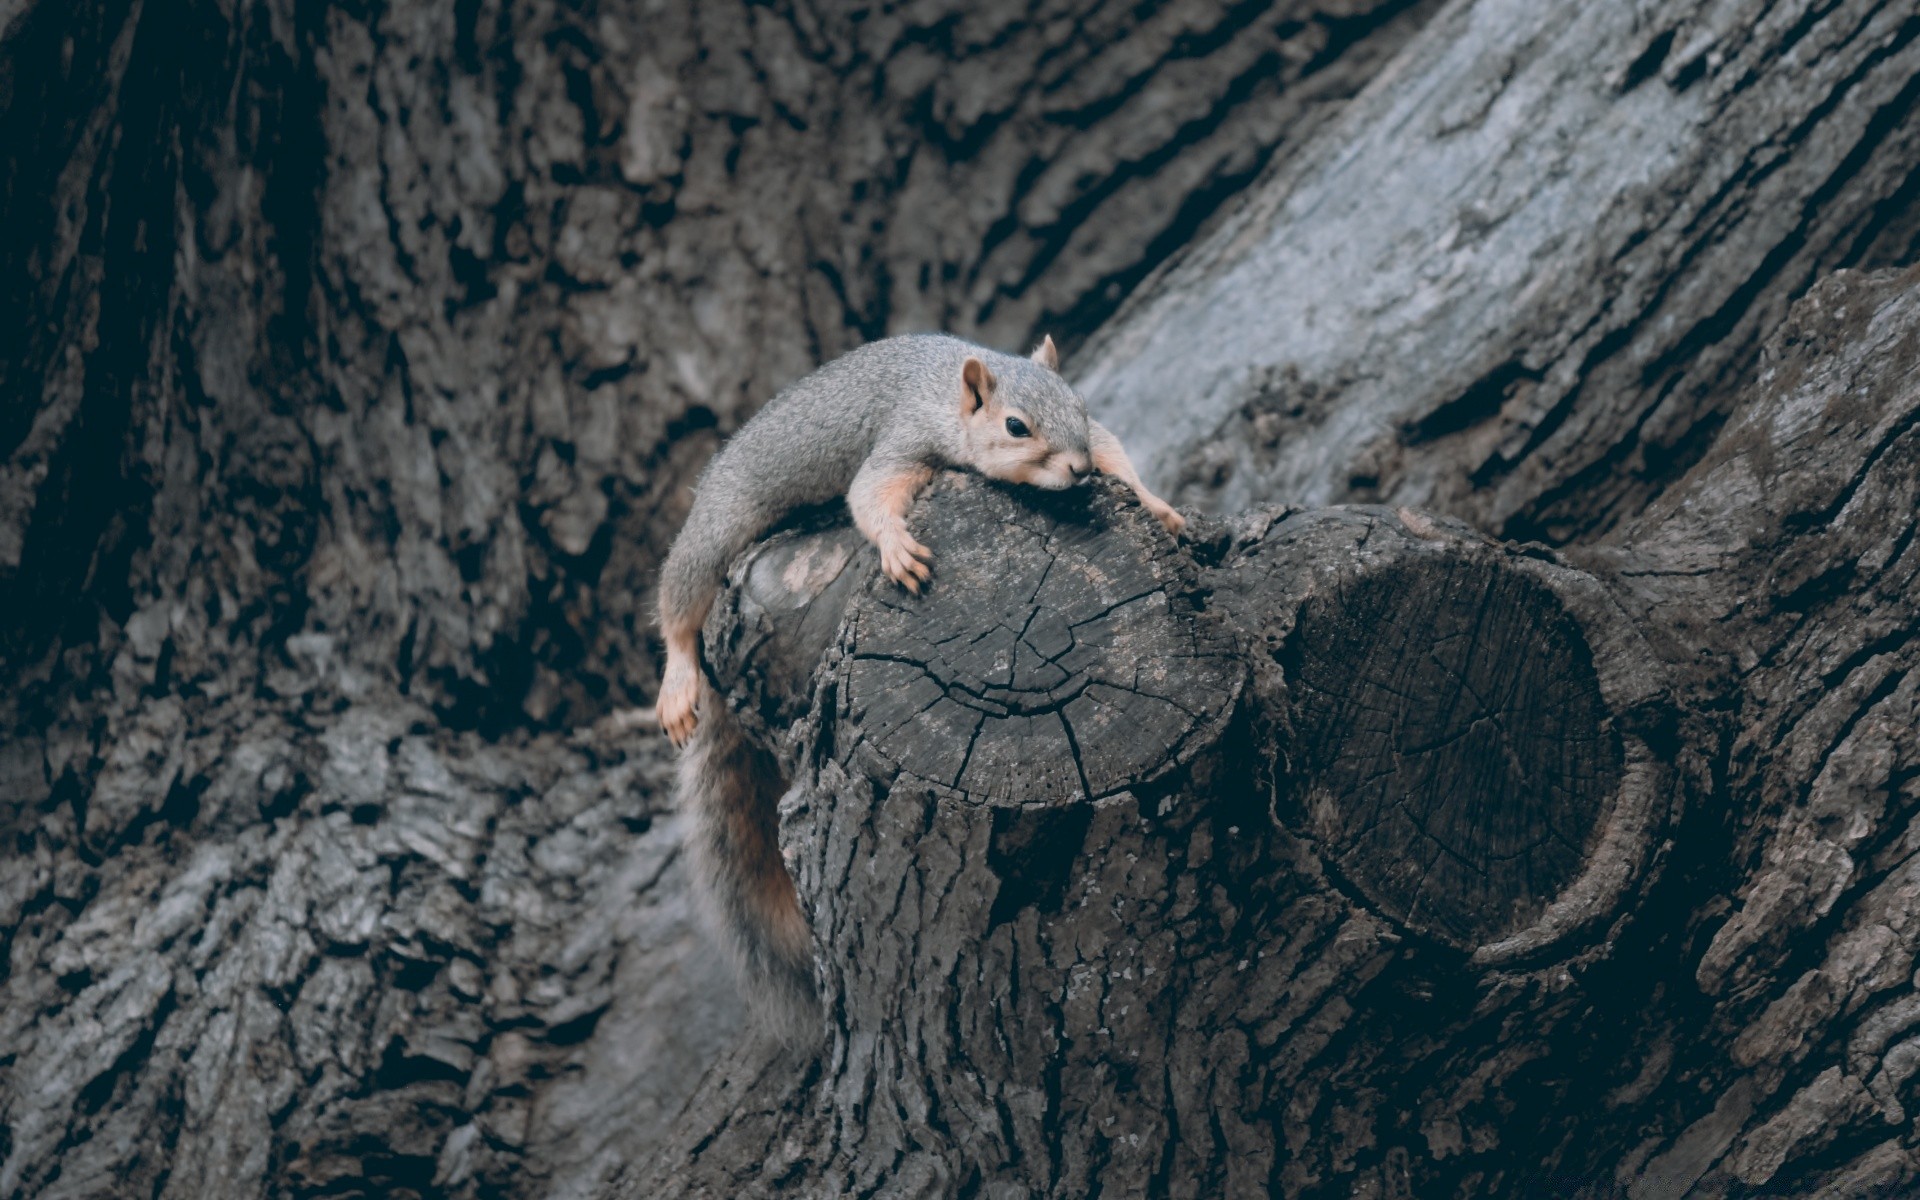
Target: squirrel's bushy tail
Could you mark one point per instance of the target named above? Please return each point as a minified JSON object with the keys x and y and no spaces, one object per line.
{"x":731,"y":790}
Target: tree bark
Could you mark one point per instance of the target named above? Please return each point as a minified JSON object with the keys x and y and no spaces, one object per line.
{"x":357,"y":360}
{"x":1506,"y":872}
{"x":1526,"y":277}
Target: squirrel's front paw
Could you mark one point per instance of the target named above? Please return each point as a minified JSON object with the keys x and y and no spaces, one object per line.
{"x":679,"y":697}
{"x":1168,"y":517}
{"x":900,"y":558}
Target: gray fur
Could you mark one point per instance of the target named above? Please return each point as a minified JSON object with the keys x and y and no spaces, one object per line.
{"x":892,"y":401}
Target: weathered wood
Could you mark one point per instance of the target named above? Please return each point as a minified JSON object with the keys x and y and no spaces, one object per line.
{"x":1467,"y":725}
{"x":1525,"y":278}
{"x":360,"y":358}
{"x":1003,"y":955}
{"x":1057,"y":658}
{"x":1307,"y":1028}
{"x":1786,"y":576}
{"x":417,"y":962}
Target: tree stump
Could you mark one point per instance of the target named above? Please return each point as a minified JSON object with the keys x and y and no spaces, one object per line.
{"x":1467,"y":725}
{"x":1059,"y":657}
{"x":1078,"y":892}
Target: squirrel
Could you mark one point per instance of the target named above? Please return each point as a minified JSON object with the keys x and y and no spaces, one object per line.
{"x":872,"y":425}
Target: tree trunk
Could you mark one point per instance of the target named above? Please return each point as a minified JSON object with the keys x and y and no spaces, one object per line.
{"x":358,"y":358}
{"x":1356,"y":854}
{"x":360,"y":355}
{"x":1525,"y":277}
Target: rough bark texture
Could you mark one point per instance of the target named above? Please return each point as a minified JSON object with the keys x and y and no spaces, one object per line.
{"x":1669,"y":954}
{"x":356,"y":361}
{"x":459,"y":297}
{"x":396,"y":961}
{"x":357,"y":357}
{"x":1526,"y":278}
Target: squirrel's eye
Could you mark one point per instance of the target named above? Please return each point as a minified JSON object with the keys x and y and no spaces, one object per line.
{"x":1018,"y":428}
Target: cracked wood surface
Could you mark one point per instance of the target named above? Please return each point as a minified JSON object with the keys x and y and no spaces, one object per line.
{"x":1475,"y":734}
{"x":1460,"y":755}
{"x":1056,"y":658}
{"x":1193,"y":989}
{"x":1052,"y":986}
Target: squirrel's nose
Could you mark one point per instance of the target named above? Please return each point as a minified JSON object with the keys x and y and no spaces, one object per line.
{"x":1080,"y":467}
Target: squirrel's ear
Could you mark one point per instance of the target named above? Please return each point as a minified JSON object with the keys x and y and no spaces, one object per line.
{"x":976,"y":386}
{"x":1046,"y":355}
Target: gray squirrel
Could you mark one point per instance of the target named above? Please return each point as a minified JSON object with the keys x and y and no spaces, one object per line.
{"x":872,"y":425}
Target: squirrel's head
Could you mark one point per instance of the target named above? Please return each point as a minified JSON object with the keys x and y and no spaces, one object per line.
{"x":1024,"y":424}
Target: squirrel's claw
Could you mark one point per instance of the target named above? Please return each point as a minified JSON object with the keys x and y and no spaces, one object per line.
{"x":1169,"y":517}
{"x":679,"y":723}
{"x":901,"y":559}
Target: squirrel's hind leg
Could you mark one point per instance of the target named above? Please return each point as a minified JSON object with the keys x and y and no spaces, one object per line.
{"x":689,"y":581}
{"x":678,"y":704}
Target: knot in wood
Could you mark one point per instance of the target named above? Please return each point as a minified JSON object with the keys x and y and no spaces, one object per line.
{"x":1461,"y":754}
{"x":1057,"y":655}
{"x":1467,"y":728}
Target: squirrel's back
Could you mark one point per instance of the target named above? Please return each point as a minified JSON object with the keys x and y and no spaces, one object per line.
{"x":812,"y":437}
{"x":807,"y":443}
